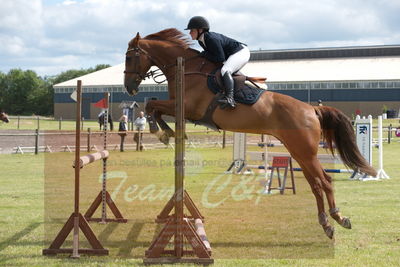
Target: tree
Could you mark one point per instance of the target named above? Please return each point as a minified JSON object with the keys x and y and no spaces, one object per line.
{"x":2,"y":91}
{"x":18,"y":91}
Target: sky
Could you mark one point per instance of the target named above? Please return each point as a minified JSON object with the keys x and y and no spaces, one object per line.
{"x":53,"y":36}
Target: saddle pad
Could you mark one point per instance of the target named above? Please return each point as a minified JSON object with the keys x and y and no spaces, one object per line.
{"x":243,"y":93}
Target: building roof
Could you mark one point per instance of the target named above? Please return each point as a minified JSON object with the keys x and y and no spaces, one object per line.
{"x":327,"y":52}
{"x":108,"y":77}
{"x":320,"y":64}
{"x":340,"y":69}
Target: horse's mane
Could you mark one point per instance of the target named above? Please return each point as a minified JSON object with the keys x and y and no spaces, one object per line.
{"x":171,"y":35}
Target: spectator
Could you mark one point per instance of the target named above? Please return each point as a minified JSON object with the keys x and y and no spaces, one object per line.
{"x":140,"y":125}
{"x":140,"y":122}
{"x":123,"y":127}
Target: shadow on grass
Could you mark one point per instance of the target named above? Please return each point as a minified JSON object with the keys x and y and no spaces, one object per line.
{"x":14,"y":239}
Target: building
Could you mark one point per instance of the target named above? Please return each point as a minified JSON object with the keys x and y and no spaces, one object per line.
{"x":362,"y":80}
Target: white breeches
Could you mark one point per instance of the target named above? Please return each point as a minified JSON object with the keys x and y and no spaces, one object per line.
{"x":236,"y":61}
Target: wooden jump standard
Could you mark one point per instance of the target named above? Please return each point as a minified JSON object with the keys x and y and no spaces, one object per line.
{"x":104,"y":197}
{"x":178,"y":225}
{"x":76,"y":221}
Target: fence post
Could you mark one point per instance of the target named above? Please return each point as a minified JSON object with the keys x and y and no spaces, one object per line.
{"x":38,"y":124}
{"x":88,"y":140}
{"x":18,"y":123}
{"x":139,"y":140}
{"x":389,"y":133}
{"x":82,"y":119}
{"x":36,"y":141}
{"x":59,"y":123}
{"x":223,"y":139}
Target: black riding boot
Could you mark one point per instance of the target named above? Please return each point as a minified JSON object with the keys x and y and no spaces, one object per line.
{"x":229,"y":85}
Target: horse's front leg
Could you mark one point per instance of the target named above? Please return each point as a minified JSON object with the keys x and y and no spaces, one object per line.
{"x":164,"y":126}
{"x":156,"y":108}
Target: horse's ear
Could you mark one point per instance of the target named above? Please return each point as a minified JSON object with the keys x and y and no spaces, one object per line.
{"x":135,"y":40}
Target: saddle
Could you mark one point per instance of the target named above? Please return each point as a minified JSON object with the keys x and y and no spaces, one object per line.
{"x":243,"y":93}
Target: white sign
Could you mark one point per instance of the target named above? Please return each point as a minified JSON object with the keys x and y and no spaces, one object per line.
{"x":74,"y":95}
{"x":364,"y":138}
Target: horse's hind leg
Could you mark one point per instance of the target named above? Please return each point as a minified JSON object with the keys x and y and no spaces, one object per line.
{"x":313,"y":176}
{"x":333,"y":210}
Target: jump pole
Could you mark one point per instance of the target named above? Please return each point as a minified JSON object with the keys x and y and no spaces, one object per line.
{"x":178,"y":225}
{"x":76,"y":221}
{"x":240,"y":155}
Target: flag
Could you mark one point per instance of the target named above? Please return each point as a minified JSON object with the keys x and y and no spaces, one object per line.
{"x":74,"y":95}
{"x":101,"y":104}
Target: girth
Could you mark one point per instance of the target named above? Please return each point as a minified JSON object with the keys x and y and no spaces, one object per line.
{"x":207,"y":120}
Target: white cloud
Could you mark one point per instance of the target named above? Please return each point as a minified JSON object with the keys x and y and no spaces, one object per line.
{"x":63,"y":34}
{"x":23,"y":17}
{"x":69,"y":2}
{"x":12,"y":45}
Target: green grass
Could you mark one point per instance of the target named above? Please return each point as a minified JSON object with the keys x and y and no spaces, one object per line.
{"x":44,"y":124}
{"x":245,"y":229}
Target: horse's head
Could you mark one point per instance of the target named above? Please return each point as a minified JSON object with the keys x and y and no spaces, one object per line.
{"x":137,"y":63}
{"x":4,"y":117}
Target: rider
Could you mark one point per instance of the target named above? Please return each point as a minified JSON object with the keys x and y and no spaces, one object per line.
{"x":221,"y":49}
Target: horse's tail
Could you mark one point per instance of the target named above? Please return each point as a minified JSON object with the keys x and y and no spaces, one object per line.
{"x":338,"y":130}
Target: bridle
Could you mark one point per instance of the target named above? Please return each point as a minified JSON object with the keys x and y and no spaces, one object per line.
{"x":153,"y":73}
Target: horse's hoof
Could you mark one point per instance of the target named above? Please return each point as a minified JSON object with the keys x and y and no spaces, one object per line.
{"x":346,"y":223}
{"x":329,"y":231}
{"x":169,"y":132}
{"x":164,"y":138}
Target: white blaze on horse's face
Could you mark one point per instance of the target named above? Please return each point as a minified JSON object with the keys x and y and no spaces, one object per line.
{"x":137,"y":64}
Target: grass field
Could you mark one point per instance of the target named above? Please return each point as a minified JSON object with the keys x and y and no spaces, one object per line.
{"x":244,"y":227}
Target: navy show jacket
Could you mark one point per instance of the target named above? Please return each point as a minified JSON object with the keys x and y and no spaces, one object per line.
{"x":218,"y":47}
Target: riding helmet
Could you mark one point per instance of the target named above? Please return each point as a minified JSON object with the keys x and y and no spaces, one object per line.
{"x":198,"y":22}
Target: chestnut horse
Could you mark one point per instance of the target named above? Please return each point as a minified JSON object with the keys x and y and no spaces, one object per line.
{"x":299,"y":126}
{"x":4,"y":117}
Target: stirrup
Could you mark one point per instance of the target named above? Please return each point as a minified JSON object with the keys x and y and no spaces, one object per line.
{"x":231,"y":103}
{"x":226,"y":102}
{"x":223,"y":100}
